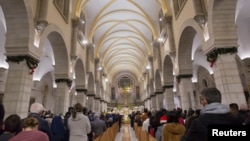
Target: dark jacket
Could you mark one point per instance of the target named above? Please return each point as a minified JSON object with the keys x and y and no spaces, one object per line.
{"x":98,"y":127}
{"x":214,"y":114}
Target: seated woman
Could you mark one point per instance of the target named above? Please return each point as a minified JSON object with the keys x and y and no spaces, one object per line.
{"x":30,"y":131}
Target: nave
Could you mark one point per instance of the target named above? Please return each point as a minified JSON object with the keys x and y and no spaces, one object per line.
{"x":126,"y":134}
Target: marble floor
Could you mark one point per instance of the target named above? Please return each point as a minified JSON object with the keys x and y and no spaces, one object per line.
{"x":126,"y":134}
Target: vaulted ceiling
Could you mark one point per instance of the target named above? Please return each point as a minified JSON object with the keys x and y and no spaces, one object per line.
{"x":122,"y":32}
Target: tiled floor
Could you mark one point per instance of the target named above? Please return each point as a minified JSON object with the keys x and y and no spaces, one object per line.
{"x":126,"y":134}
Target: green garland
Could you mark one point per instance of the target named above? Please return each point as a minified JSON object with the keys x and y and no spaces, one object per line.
{"x":31,"y":62}
{"x":213,"y":55}
{"x":68,"y":81}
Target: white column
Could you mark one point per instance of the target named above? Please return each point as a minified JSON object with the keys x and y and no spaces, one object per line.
{"x":97,"y":105}
{"x":18,"y":89}
{"x":186,"y":89}
{"x":227,"y":79}
{"x":159,"y":100}
{"x":62,"y":97}
{"x":79,"y":98}
{"x":153,"y":102}
{"x":91,"y":102}
{"x":169,"y":98}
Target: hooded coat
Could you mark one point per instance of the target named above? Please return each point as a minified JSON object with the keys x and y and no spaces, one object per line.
{"x":79,"y":127}
{"x":173,"y":132}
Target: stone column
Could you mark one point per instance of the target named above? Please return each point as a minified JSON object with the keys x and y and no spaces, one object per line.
{"x":74,"y":40}
{"x":169,"y":97}
{"x":3,"y":78}
{"x":18,"y":85}
{"x":62,"y":95}
{"x":97,"y":104}
{"x":226,"y":75}
{"x":105,"y":106}
{"x":18,"y":90}
{"x":153,"y":102}
{"x":169,"y":28}
{"x":81,"y":97}
{"x":186,"y":89}
{"x":195,"y":98}
{"x":101,"y":105}
{"x":159,"y":100}
{"x":91,"y":102}
{"x":146,"y":103}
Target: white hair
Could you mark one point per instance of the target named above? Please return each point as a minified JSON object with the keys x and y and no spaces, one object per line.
{"x":36,"y":108}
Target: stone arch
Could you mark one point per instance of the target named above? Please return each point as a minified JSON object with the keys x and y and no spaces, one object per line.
{"x":243,"y":29}
{"x":205,"y":79}
{"x":222,"y":31}
{"x":60,"y":58}
{"x":80,"y":79}
{"x":60,"y":53}
{"x":168,"y":71}
{"x":185,"y":49}
{"x":158,"y":81}
{"x":185,"y":45}
{"x":203,"y":74}
{"x":20,"y":27}
{"x":43,"y":91}
{"x":46,"y":61}
{"x":3,"y":63}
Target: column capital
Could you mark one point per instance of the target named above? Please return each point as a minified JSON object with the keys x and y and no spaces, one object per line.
{"x":213,"y":55}
{"x":168,"y":20}
{"x":157,"y":93}
{"x":64,"y":80}
{"x":32,"y":63}
{"x":167,"y":87}
{"x":152,"y":96}
{"x":41,"y":25}
{"x":180,"y":76}
{"x":90,"y":95}
{"x":98,"y":98}
{"x":81,"y":90}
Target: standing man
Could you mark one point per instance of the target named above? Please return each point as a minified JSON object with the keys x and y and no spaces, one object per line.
{"x":36,"y":110}
{"x":213,"y":113}
{"x":98,"y":126}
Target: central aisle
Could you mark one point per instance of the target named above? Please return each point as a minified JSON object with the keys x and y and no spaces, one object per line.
{"x":126,"y":134}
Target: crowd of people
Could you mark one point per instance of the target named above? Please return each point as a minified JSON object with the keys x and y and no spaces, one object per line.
{"x":191,"y":124}
{"x":78,"y":124}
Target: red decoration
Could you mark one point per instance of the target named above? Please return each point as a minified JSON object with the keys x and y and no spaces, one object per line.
{"x":32,"y":71}
{"x":211,"y":64}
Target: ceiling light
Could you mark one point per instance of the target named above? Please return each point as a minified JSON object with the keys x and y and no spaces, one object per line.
{"x":160,"y":39}
{"x":106,"y":79}
{"x":148,"y":67}
{"x":99,"y":68}
{"x":84,"y":41}
{"x":82,"y":21}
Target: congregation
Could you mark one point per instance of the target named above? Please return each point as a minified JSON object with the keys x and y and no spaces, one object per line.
{"x":79,"y":124}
